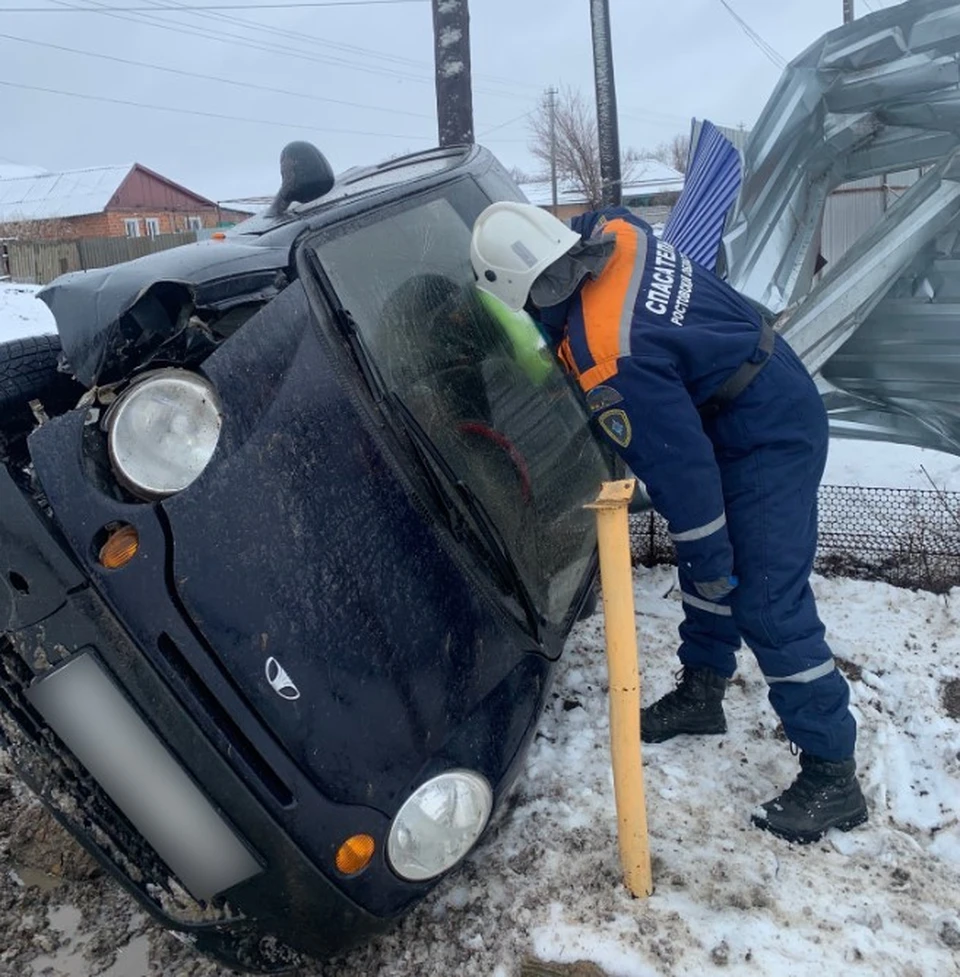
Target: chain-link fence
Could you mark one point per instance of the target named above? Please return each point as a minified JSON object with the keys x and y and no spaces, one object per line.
{"x":906,"y":537}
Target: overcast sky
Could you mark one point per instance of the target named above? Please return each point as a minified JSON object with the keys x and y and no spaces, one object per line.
{"x":674,"y":59}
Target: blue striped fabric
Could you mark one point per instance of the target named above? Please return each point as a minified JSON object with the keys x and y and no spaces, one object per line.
{"x":713,"y":181}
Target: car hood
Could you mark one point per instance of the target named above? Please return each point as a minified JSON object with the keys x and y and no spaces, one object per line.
{"x":113,"y":320}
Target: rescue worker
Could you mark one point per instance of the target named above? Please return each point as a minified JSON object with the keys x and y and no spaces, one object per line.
{"x":716,"y":414}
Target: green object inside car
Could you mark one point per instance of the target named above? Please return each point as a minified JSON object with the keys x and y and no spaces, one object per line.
{"x":529,"y":349}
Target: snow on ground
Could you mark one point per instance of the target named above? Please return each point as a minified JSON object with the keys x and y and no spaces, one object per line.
{"x":875,"y":463}
{"x":881,"y":901}
{"x":22,"y":313}
{"x":729,"y":899}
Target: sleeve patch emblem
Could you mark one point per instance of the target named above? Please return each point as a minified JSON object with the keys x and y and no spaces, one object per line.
{"x":600,"y":398}
{"x":616,"y":425}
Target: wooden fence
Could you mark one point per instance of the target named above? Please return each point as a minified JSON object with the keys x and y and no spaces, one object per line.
{"x":39,"y":262}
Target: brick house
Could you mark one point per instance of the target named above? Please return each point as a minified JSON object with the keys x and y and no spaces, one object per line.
{"x":104,"y":201}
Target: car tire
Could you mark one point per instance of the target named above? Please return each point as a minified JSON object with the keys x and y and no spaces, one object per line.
{"x":28,"y":371}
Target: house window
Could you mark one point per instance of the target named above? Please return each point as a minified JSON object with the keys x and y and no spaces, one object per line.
{"x":132,"y":227}
{"x":194,"y":223}
{"x":153,"y":226}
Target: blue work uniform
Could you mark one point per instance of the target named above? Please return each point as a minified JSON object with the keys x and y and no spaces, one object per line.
{"x":651,"y":340}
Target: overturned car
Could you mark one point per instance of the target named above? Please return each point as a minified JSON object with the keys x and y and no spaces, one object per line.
{"x":287,"y":556}
{"x":288,"y":553}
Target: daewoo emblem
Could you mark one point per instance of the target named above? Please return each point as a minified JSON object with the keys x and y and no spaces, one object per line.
{"x":280,"y":682}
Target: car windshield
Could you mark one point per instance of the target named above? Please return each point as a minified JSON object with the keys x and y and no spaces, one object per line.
{"x":478,"y":383}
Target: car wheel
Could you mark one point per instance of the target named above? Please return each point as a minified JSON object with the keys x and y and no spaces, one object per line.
{"x":28,"y":372}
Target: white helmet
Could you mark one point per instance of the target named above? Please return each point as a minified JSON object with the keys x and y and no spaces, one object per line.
{"x":511,"y":244}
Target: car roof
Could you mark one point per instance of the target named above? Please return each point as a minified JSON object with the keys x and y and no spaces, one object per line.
{"x":393,"y":177}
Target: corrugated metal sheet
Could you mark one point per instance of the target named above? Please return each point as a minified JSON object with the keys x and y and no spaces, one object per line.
{"x":878,"y":96}
{"x":846,"y":218}
{"x":52,"y":195}
{"x":898,"y":376}
{"x":736,"y":137}
{"x":713,"y":181}
{"x":852,"y":209}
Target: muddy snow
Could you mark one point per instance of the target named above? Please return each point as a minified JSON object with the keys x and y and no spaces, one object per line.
{"x":545,"y":884}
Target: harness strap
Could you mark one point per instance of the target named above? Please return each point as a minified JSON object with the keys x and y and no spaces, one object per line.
{"x":742,"y":377}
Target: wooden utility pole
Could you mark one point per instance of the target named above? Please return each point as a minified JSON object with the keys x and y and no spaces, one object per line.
{"x":847,"y":11}
{"x":607,"y":130}
{"x":451,"y":36}
{"x":552,"y":96}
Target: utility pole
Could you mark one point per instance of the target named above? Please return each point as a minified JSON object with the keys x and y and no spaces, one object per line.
{"x":848,"y":11}
{"x":451,"y":36}
{"x":607,"y":131}
{"x":552,"y":97}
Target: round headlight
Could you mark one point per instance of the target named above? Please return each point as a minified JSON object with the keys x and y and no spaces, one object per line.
{"x":162,"y":432}
{"x":439,"y":824}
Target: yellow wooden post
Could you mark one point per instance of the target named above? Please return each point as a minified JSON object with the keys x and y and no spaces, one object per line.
{"x":616,"y":575}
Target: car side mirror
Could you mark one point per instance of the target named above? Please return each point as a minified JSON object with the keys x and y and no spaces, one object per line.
{"x":305,"y":175}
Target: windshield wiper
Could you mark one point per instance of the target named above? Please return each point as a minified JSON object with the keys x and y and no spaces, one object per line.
{"x":368,"y":366}
{"x":350,"y":331}
{"x":486,"y":528}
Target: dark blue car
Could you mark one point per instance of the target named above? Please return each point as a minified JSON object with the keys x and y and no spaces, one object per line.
{"x":289,"y":545}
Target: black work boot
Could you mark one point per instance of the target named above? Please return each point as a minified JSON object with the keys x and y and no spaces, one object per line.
{"x":826,"y":794}
{"x":694,"y":706}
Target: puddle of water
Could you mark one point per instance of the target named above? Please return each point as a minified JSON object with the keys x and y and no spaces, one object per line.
{"x":34,"y":877}
{"x":132,"y":959}
{"x":66,"y":919}
{"x":131,"y":962}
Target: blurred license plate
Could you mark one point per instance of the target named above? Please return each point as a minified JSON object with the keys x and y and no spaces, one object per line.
{"x":87,"y":711}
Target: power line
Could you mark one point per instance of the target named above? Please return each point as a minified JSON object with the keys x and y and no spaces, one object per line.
{"x":146,"y":19}
{"x":350,"y":49}
{"x":230,"y":81}
{"x":767,"y":50}
{"x":512,"y":141}
{"x":503,"y":125}
{"x":209,"y":115}
{"x":282,"y":5}
{"x":235,"y":39}
{"x":660,"y":118}
{"x":225,"y":81}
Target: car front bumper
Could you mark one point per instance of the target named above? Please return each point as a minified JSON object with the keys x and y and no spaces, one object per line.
{"x":53,"y":622}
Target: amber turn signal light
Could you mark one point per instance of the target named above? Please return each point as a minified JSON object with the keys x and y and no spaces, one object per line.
{"x":355,"y":853}
{"x":120,"y":547}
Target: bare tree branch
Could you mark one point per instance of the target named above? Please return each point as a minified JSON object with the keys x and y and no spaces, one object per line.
{"x":578,"y":149}
{"x":673,"y":153}
{"x":29,"y":229}
{"x":520,"y":176}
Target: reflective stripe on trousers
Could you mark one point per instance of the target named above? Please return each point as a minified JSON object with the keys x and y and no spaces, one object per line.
{"x":707,"y":606}
{"x":771,"y":447}
{"x":701,"y":532}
